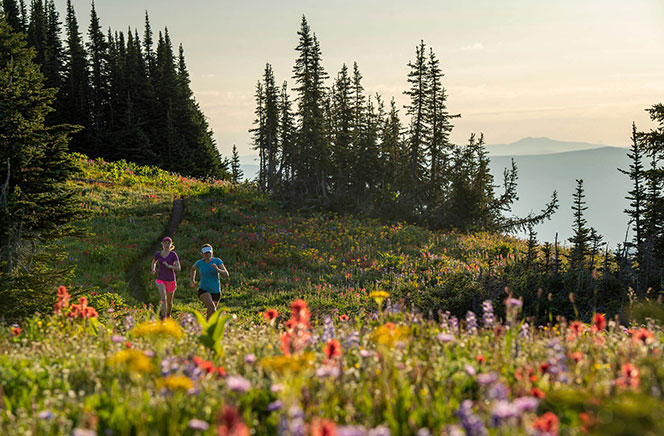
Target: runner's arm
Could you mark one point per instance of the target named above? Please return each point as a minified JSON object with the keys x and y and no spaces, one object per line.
{"x":176,"y":266}
{"x":221,"y":269}
{"x":192,"y":282}
{"x":154,"y":265}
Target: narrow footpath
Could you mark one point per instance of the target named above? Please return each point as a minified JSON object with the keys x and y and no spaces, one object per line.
{"x":143,"y":261}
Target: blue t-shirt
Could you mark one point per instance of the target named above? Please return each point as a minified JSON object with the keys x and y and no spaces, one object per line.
{"x":209,"y":275}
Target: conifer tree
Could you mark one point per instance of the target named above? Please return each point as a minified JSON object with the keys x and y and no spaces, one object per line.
{"x":343,"y":119}
{"x":12,"y":13}
{"x":636,"y":196}
{"x":236,"y":170}
{"x":99,"y":76}
{"x":419,"y":129}
{"x":36,"y":208}
{"x":581,"y":233}
{"x":74,"y":94}
{"x":286,"y":135}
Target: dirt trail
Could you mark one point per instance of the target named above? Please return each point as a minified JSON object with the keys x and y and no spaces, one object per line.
{"x":142,"y":262}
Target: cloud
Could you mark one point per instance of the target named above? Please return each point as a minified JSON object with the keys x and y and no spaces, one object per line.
{"x":473,"y":47}
{"x":208,"y":76}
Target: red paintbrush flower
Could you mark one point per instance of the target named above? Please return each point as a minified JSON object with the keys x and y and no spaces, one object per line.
{"x":323,"y":427}
{"x":332,"y":349}
{"x":547,"y":423}
{"x":270,"y":315}
{"x":599,"y":322}
{"x":577,"y":328}
{"x":343,"y":318}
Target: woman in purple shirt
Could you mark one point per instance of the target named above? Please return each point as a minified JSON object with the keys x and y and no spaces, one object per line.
{"x":168,"y":263}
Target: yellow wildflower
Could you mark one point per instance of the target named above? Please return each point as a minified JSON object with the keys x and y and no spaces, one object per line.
{"x":379,"y":296}
{"x":389,"y":334}
{"x":293,"y":362}
{"x":134,"y":360}
{"x":167,"y":327}
{"x":175,"y":382}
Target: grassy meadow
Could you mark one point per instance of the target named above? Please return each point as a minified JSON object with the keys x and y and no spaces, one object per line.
{"x":331,"y":325}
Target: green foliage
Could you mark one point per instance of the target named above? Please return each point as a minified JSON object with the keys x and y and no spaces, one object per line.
{"x":213,"y":330}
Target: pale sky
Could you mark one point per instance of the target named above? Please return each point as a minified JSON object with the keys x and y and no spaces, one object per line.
{"x":571,"y":70}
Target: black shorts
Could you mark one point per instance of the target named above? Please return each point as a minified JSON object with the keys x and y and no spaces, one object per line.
{"x":215,"y":297}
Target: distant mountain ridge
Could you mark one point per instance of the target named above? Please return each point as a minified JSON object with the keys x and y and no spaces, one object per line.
{"x":541,"y":145}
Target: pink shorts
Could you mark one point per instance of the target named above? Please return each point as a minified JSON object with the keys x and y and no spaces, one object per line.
{"x":170,"y":286}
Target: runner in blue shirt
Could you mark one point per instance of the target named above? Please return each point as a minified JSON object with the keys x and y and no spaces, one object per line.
{"x":209,"y":291}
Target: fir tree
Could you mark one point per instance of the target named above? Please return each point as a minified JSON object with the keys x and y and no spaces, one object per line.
{"x":286,"y":135}
{"x":36,"y":208}
{"x":636,"y":196}
{"x":99,"y":92}
{"x":12,"y":13}
{"x":236,"y":170}
{"x":581,"y":233}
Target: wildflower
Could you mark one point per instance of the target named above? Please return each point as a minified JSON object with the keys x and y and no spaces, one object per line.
{"x":480,"y":358}
{"x":16,"y":330}
{"x":487,"y":314}
{"x":323,"y":427}
{"x":350,"y":430}
{"x":343,"y":318}
{"x":576,"y":356}
{"x":487,"y":378}
{"x":599,"y":322}
{"x":381,"y":430}
{"x":275,"y":405}
{"x":270,"y":315}
{"x":198,"y":424}
{"x":642,"y":336}
{"x":514,"y":302}
{"x":526,"y":404}
{"x":117,"y":339}
{"x":45,"y":415}
{"x":577,"y":328}
{"x":230,"y":423}
{"x":547,"y":424}
{"x":469,"y":421}
{"x":134,"y":360}
{"x":237,"y":383}
{"x":389,"y":334}
{"x":444,"y":337}
{"x":297,"y":333}
{"x":470,"y":370}
{"x":544,"y":367}
{"x":502,"y":410}
{"x":175,"y":382}
{"x":165,"y":328}
{"x":630,"y":377}
{"x":332,"y":349}
{"x":471,"y":322}
{"x":83,"y":432}
{"x":537,"y":393}
{"x":250,"y":358}
{"x":379,"y":296}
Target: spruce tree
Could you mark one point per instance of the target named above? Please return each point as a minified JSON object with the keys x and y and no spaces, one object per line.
{"x":74,"y":94}
{"x":12,"y":13}
{"x":286,"y":135}
{"x":99,"y":85}
{"x":236,"y":170}
{"x":636,"y":196}
{"x":343,"y":121}
{"x":581,"y":233}
{"x":36,"y":208}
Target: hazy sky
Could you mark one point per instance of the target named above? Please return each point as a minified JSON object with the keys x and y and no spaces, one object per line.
{"x":574,"y":70}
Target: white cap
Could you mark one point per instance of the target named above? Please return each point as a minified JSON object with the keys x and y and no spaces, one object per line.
{"x":206,"y":250}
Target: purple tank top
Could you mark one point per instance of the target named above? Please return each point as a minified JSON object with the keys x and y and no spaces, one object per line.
{"x":163,"y":273}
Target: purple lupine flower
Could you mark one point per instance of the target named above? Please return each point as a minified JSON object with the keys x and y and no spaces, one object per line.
{"x":454,"y":324}
{"x":469,"y":421}
{"x":487,"y":314}
{"x":275,"y":405}
{"x":45,"y":415}
{"x":526,"y":404}
{"x":129,"y":322}
{"x":381,"y":430}
{"x":117,"y":339}
{"x":296,"y":425}
{"x":444,"y":320}
{"x":502,"y":410}
{"x":198,"y":424}
{"x":498,"y":391}
{"x":237,"y":383}
{"x":445,"y":337}
{"x":514,"y":302}
{"x":487,"y":378}
{"x":328,"y":330}
{"x":351,"y":430}
{"x":455,"y":430}
{"x":352,"y":340}
{"x":365,"y":353}
{"x":250,"y":358}
{"x":470,"y":370}
{"x":471,"y":322}
{"x":149,"y":353}
{"x":525,"y":330}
